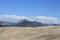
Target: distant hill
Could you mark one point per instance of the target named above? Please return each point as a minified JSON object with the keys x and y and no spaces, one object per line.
{"x":26,"y":23}
{"x":3,"y":24}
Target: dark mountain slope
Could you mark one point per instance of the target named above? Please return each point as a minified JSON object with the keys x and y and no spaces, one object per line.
{"x":26,"y":23}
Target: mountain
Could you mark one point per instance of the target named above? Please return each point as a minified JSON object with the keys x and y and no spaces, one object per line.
{"x":26,"y":23}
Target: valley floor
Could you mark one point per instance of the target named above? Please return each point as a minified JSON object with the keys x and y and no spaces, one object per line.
{"x":30,"y":33}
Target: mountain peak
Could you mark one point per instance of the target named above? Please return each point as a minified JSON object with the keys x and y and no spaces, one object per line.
{"x":24,"y":20}
{"x":27,"y":23}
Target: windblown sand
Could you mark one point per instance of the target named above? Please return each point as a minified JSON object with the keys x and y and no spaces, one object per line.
{"x":30,"y":33}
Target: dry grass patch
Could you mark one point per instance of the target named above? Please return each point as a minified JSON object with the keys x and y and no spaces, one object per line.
{"x":30,"y":33}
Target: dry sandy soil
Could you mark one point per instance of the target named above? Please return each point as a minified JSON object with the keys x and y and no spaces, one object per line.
{"x":29,"y":33}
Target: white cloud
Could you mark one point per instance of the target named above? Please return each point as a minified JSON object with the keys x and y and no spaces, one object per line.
{"x":43,"y":19}
{"x":12,"y":18}
{"x":47,"y":19}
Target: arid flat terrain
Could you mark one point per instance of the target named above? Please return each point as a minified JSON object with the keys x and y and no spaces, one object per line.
{"x":30,"y":33}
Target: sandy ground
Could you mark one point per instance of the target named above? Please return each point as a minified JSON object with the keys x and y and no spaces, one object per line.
{"x":29,"y":33}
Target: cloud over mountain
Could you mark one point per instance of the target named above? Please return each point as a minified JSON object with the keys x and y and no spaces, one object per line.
{"x":43,"y":19}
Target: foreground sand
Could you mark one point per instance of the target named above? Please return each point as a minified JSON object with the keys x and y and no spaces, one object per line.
{"x":29,"y":33}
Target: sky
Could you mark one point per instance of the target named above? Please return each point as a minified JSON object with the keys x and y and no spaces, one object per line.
{"x":30,"y":8}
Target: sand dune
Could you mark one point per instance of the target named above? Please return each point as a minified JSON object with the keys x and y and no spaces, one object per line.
{"x":29,"y":33}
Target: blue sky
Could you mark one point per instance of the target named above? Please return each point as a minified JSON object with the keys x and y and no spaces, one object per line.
{"x":30,"y":7}
{"x":47,"y":11}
